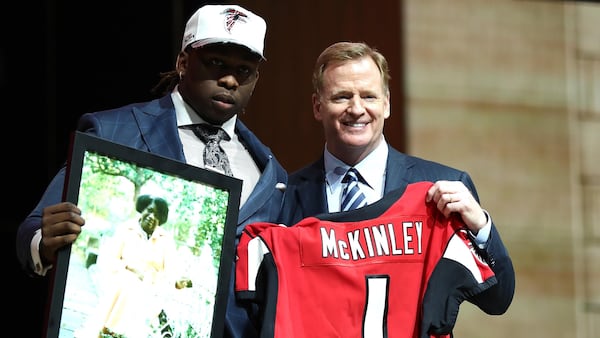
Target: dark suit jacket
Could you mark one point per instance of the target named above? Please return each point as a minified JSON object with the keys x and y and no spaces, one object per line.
{"x":306,"y":196}
{"x":152,"y":127}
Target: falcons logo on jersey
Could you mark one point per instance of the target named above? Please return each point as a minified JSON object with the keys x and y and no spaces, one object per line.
{"x":232,"y":16}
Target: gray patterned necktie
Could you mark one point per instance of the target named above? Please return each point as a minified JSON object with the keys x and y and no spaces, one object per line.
{"x":352,"y":197}
{"x":214,"y":155}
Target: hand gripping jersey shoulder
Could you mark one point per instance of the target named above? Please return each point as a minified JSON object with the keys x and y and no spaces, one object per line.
{"x":395,"y":268}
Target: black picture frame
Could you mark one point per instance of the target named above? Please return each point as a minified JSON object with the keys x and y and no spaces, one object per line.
{"x":105,"y":179}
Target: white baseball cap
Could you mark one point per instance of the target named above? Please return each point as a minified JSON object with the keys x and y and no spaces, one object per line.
{"x":225,"y":24}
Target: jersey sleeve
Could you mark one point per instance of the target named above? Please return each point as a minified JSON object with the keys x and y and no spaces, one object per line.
{"x":256,"y":275}
{"x":460,"y":273}
{"x":249,"y":256}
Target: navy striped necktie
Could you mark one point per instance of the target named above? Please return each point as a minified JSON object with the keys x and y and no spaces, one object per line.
{"x":352,"y":197}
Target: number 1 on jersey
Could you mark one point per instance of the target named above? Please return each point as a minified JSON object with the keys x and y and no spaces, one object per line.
{"x":376,"y":306}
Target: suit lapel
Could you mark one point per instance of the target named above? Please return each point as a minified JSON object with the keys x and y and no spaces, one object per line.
{"x":260,"y":195}
{"x":311,"y":194}
{"x":157,"y":123}
{"x":264,"y":187}
{"x":397,"y":168}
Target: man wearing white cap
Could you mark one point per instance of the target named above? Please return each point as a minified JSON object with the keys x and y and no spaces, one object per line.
{"x":214,"y":77}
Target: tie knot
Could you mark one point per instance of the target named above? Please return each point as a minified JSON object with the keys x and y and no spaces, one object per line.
{"x":208,"y":133}
{"x":351,"y":176}
{"x":352,"y":196}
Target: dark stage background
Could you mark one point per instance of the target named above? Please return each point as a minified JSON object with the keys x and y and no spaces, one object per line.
{"x":60,"y":60}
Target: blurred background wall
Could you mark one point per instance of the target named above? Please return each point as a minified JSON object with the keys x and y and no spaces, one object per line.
{"x":508,"y":90}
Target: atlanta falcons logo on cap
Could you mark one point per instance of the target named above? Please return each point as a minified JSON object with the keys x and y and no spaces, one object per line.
{"x":232,"y":16}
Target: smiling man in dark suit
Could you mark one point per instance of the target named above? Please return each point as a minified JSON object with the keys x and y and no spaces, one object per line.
{"x":351,"y":99}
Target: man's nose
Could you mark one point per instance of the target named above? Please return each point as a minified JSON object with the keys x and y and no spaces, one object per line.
{"x":228,"y":81}
{"x":356,"y":106}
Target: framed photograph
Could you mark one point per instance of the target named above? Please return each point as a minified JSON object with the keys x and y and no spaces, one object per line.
{"x":155,"y":255}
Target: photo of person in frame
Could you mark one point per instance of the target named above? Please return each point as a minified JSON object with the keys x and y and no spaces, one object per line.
{"x":147,"y":261}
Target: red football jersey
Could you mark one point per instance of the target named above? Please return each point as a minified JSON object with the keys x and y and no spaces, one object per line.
{"x":395,"y":268}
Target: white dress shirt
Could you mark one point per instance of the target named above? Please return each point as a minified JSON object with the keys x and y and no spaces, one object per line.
{"x":374,"y":173}
{"x":370,"y":169}
{"x":241,"y":162}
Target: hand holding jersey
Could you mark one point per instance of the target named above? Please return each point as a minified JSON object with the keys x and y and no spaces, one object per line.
{"x":453,"y":196}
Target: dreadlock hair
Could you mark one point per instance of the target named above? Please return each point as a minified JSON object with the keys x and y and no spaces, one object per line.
{"x":166,"y":84}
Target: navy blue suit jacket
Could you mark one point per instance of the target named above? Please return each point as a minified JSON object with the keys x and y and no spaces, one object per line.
{"x":152,"y":127}
{"x":306,"y":196}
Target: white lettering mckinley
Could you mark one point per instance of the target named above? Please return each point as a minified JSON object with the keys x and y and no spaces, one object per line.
{"x":377,"y":240}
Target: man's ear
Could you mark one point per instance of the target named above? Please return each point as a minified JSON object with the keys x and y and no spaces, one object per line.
{"x":388,"y":108}
{"x":182,"y":62}
{"x":316,"y":105}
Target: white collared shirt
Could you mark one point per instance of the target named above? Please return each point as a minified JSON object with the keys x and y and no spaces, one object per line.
{"x":370,"y":168}
{"x":373,"y":170}
{"x":241,"y":162}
